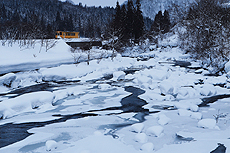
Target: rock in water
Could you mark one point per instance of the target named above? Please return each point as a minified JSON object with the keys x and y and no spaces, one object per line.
{"x":220,"y":149}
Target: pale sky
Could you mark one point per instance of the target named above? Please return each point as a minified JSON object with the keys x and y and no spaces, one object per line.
{"x":101,"y":3}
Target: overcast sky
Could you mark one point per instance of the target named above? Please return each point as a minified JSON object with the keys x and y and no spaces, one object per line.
{"x":98,"y":2}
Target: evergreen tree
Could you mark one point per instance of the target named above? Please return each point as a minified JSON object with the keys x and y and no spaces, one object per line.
{"x":138,"y":22}
{"x":161,"y":23}
{"x":165,"y":22}
{"x":156,"y":27}
{"x":3,"y":12}
{"x":117,"y":22}
{"x":50,"y":32}
{"x":123,"y":22}
{"x":129,"y":28}
{"x":70,"y":23}
{"x":59,"y":23}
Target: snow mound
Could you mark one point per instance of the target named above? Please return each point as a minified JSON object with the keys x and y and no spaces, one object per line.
{"x":16,"y":58}
{"x":208,"y":90}
{"x":51,"y":145}
{"x":141,"y":138}
{"x":184,"y":112}
{"x":104,"y":86}
{"x":208,"y":124}
{"x":147,"y":147}
{"x":187,"y":93}
{"x":166,"y":88}
{"x":196,"y":115}
{"x":118,"y":75}
{"x":156,"y":131}
{"x":163,"y":119}
{"x":26,"y":102}
{"x":158,"y":75}
{"x":184,"y":104}
{"x":7,"y":79}
{"x":138,"y":127}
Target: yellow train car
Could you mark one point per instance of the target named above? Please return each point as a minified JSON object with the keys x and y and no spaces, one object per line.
{"x":63,"y":34}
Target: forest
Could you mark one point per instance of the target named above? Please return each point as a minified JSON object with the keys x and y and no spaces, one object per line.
{"x":40,"y":19}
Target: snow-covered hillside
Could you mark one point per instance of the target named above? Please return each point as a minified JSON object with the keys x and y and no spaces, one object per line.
{"x":176,"y":8}
{"x":148,"y":101}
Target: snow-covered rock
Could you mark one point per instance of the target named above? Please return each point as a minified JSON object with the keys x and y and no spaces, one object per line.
{"x":163,"y":119}
{"x":184,"y":112}
{"x":7,"y":79}
{"x":158,"y":75}
{"x":129,"y":77}
{"x":156,"y":131}
{"x":138,"y":127}
{"x":141,"y":138}
{"x":208,"y":90}
{"x":184,"y":104}
{"x":208,"y":123}
{"x":147,"y":147}
{"x":51,"y":145}
{"x":24,"y":103}
{"x":104,"y":86}
{"x":194,"y":108}
{"x":166,"y":88}
{"x":196,"y":115}
{"x":118,"y":75}
{"x":187,"y":93}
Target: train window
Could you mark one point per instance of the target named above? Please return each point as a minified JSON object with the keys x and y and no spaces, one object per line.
{"x":60,"y":33}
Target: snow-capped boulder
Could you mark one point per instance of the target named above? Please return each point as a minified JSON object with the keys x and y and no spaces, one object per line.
{"x":138,"y":127}
{"x":141,"y":138}
{"x":184,"y":112}
{"x":51,"y":145}
{"x":196,"y":115}
{"x":163,"y":119}
{"x":118,"y":75}
{"x":208,"y":123}
{"x":156,"y":131}
{"x":7,"y":79}
{"x":194,"y":108}
{"x":147,"y":147}
{"x":24,"y":103}
{"x":6,"y":112}
{"x":187,"y":93}
{"x":166,"y":88}
{"x":129,"y":77}
{"x":184,"y":104}
{"x":104,"y":86}
{"x":158,"y":75}
{"x":208,"y":90}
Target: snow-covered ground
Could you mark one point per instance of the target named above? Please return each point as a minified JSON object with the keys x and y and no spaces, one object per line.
{"x":53,"y":101}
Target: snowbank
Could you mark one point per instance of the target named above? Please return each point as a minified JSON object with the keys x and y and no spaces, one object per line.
{"x":25,"y":103}
{"x":14,"y":58}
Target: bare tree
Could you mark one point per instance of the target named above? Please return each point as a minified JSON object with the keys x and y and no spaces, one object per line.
{"x":207,"y":33}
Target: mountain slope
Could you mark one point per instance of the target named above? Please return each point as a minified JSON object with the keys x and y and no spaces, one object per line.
{"x":176,"y":8}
